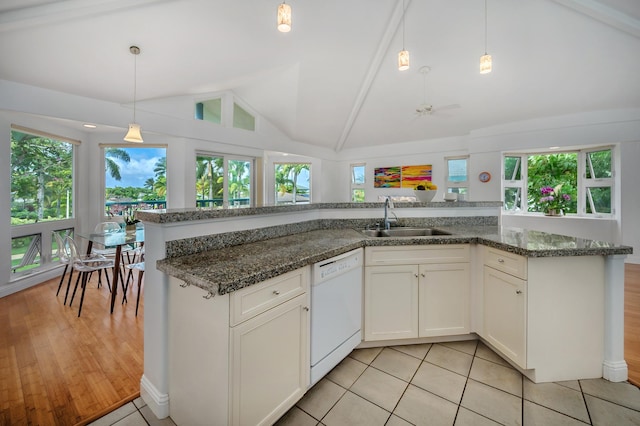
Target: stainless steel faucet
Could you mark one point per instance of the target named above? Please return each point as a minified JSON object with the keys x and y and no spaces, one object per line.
{"x":388,"y":204}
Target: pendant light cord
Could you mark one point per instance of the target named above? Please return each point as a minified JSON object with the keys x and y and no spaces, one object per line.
{"x":135,"y":83}
{"x":485,"y":27}
{"x":403,"y":9}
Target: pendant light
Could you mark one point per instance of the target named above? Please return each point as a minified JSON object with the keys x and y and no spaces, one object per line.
{"x":403,"y":55}
{"x":485,"y":60}
{"x":134,"y":135}
{"x":284,"y":18}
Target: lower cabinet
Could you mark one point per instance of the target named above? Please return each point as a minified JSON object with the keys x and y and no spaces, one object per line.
{"x":240,"y":358}
{"x":409,"y":300}
{"x":390,"y":302}
{"x":269,"y":363}
{"x":505,"y":313}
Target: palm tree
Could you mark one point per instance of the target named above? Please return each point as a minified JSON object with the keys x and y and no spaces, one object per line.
{"x":110,"y":165}
{"x":160,"y":170}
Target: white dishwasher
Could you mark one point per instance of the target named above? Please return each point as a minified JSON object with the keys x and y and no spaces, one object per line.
{"x":336,"y":311}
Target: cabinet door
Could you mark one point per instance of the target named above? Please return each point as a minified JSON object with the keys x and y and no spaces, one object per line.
{"x":390,"y":302}
{"x":269,"y":363}
{"x":505,"y":301}
{"x":444,"y":299}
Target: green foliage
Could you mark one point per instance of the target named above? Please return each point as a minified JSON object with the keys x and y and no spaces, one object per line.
{"x":546,"y":170}
{"x":41,"y":177}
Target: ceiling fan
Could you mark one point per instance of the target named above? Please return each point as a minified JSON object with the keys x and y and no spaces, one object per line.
{"x":425,"y":108}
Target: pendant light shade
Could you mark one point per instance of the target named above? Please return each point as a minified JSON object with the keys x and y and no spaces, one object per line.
{"x":134,"y":135}
{"x":403,"y":55}
{"x":284,"y":18}
{"x":485,"y":60}
{"x":485,"y":64}
{"x":403,"y":60}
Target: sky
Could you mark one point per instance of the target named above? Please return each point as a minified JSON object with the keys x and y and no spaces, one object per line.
{"x":138,"y":170}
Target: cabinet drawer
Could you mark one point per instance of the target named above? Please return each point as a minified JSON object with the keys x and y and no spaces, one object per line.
{"x":509,"y":263}
{"x":412,"y":255}
{"x":251,"y":301}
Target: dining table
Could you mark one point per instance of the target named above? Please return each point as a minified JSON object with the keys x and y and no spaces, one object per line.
{"x":116,"y":240}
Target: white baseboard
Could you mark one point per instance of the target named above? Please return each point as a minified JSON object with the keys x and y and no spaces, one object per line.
{"x":157,"y":401}
{"x":615,"y":371}
{"x":30,"y":280}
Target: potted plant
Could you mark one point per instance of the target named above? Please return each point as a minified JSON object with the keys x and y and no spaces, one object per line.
{"x":425,"y":192}
{"x":130,"y":223}
{"x":553,"y":200}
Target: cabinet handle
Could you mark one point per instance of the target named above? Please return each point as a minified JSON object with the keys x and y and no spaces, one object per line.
{"x":501,"y":260}
{"x":422,"y":275}
{"x":415,"y":275}
{"x":518,"y":291}
{"x":306,"y":308}
{"x":276,"y":292}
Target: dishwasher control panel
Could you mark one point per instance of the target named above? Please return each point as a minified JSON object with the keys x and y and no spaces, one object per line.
{"x":337,"y":265}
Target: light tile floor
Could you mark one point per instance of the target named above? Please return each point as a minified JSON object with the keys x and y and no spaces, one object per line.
{"x":461,"y":383}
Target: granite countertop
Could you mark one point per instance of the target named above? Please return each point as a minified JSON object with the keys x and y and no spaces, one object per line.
{"x":189,"y":214}
{"x":232,"y":268}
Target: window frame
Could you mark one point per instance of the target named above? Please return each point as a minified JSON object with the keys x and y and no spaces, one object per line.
{"x":583,"y":183}
{"x":455,"y":186}
{"x":226,"y":158}
{"x":45,"y":228}
{"x":357,"y":186}
{"x":275,"y":189}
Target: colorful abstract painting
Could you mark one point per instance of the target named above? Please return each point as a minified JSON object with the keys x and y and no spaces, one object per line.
{"x":415,"y":175}
{"x":386,"y":177}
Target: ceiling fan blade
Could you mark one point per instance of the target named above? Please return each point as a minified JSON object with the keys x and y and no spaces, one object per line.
{"x":446,"y":107}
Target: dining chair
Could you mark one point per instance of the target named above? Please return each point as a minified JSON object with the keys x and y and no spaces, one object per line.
{"x":140,"y":268}
{"x":63,"y":256}
{"x":84,"y":265}
{"x":110,"y":252}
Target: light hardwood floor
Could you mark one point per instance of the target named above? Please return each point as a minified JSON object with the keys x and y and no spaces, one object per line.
{"x":632,"y":321}
{"x":58,"y":369}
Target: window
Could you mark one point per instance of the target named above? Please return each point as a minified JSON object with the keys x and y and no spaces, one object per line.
{"x":210,"y":111}
{"x":293,"y":183}
{"x":41,"y":178}
{"x":357,"y":183}
{"x":135,"y":178}
{"x":42,"y":195}
{"x":222,"y":181}
{"x":242,"y":119}
{"x":457,"y":177}
{"x":585,"y":176}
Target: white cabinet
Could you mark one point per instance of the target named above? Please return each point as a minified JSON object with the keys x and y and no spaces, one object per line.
{"x":269,"y":363}
{"x":444,"y":299}
{"x":416,"y":291}
{"x":241,"y":358}
{"x":390,"y":302}
{"x":545,"y":314}
{"x":505,"y":309}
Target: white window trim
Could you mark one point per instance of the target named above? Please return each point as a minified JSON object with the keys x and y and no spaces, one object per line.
{"x":583,"y":182}
{"x":352,"y":184}
{"x":460,"y":184}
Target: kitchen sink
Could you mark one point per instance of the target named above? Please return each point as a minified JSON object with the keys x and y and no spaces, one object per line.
{"x":404,"y":232}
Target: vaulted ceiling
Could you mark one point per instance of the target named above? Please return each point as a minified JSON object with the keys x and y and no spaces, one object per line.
{"x":333,"y":80}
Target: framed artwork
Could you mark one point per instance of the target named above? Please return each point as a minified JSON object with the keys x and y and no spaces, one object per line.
{"x":387,"y":177}
{"x":413,"y":176}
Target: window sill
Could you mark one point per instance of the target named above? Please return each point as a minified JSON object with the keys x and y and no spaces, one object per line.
{"x":570,"y":216}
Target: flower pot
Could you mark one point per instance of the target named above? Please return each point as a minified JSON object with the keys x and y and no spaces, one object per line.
{"x":131,"y":229}
{"x":425,"y":195}
{"x":554,"y":212}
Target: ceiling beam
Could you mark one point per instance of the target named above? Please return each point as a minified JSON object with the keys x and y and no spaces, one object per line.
{"x":378,"y":57}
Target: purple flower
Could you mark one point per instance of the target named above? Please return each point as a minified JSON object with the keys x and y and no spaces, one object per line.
{"x":546,"y":190}
{"x":566,"y":197}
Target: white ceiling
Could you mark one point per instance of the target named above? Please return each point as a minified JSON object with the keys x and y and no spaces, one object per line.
{"x":333,"y":80}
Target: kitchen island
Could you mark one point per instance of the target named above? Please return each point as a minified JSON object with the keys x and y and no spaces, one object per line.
{"x":215,"y":258}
